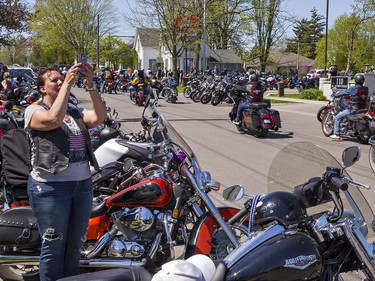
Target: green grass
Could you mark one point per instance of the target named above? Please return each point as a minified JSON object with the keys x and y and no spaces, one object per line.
{"x":294,"y":96}
{"x":280,"y":101}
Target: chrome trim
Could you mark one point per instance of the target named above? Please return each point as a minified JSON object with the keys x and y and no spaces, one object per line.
{"x":362,"y":248}
{"x":254,"y":241}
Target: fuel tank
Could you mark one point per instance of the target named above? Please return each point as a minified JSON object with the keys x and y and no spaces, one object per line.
{"x":149,"y":193}
{"x":116,"y":149}
{"x":285,"y":256}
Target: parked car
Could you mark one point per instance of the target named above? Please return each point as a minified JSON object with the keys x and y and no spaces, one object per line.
{"x":317,"y":73}
{"x":19,"y":73}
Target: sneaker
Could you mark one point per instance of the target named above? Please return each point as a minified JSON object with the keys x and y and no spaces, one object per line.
{"x":335,"y":137}
{"x":236,"y":122}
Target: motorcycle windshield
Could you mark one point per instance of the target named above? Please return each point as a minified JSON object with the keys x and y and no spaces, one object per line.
{"x":164,"y":131}
{"x":296,"y":163}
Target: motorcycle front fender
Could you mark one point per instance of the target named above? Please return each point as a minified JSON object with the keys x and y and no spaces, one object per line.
{"x":371,"y":139}
{"x":200,"y":239}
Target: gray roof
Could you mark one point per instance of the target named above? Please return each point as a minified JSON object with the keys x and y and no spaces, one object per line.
{"x":128,"y":40}
{"x":149,"y":36}
{"x":225,"y":56}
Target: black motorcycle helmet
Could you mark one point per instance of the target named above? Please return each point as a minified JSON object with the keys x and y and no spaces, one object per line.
{"x":108,"y":133}
{"x":359,"y":79}
{"x":284,"y":207}
{"x":8,"y":105}
{"x":254,"y":78}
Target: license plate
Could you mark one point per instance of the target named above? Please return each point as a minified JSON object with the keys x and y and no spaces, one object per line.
{"x":267,"y":121}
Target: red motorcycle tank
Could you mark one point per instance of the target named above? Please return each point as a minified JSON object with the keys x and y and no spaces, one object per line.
{"x":149,"y":193}
{"x":286,"y":256}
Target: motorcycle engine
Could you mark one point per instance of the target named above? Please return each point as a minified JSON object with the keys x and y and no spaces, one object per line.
{"x":137,"y":231}
{"x":137,"y":219}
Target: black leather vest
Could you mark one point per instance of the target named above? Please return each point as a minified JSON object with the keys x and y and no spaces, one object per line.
{"x":50,"y":149}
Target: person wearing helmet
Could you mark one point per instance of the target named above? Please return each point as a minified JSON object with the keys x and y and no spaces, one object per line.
{"x":256,"y":95}
{"x":358,"y":100}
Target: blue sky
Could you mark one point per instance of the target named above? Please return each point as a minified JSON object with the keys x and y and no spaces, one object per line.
{"x":300,"y":8}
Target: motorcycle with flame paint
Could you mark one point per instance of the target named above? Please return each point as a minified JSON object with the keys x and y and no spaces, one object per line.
{"x":155,"y":192}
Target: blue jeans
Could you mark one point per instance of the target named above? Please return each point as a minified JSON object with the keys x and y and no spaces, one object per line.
{"x":343,"y":114}
{"x":240,"y":109}
{"x":62,"y":210}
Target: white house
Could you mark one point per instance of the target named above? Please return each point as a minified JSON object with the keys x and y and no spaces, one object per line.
{"x":146,"y":44}
{"x":150,"y":49}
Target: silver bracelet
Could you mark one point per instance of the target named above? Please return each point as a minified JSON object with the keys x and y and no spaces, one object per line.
{"x":92,"y":89}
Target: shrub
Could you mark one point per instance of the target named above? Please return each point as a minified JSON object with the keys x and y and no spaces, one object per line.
{"x":312,"y":94}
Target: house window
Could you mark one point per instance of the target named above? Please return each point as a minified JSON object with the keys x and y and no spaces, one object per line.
{"x":152,"y":65}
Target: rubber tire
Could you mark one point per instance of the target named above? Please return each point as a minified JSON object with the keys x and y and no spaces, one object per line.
{"x":187,"y":92}
{"x":372,"y":158}
{"x":363,"y":138}
{"x":215,"y":100}
{"x":197,"y":97}
{"x":261,"y":133}
{"x":327,"y":125}
{"x":206,"y":98}
{"x":321,"y":113}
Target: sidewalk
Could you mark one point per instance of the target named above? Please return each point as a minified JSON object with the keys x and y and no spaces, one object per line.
{"x":276,"y":97}
{"x":298,"y":100}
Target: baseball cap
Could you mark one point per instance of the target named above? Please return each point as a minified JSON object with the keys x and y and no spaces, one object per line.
{"x":195,"y":268}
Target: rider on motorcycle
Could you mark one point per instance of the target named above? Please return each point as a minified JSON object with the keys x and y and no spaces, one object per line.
{"x":358,"y":100}
{"x":256,"y":95}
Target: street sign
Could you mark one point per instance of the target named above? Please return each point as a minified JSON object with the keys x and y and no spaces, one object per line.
{"x":340,"y":82}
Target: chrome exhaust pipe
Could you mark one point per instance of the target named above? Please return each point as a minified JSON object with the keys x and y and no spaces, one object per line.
{"x":18,"y":259}
{"x":102,"y":263}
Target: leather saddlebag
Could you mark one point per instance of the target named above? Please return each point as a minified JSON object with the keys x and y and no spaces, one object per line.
{"x":18,"y":227}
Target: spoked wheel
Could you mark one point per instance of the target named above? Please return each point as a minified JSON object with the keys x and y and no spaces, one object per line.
{"x":372,"y":157}
{"x":187,"y":92}
{"x":215,"y":100}
{"x":221,"y":246}
{"x":197,"y":97}
{"x":206,"y":98}
{"x":327,"y":125}
{"x":15,"y":272}
{"x":321,"y":113}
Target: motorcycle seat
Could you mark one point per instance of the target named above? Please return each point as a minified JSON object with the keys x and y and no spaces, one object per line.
{"x":258,"y":105}
{"x":116,"y":274}
{"x":99,"y":209}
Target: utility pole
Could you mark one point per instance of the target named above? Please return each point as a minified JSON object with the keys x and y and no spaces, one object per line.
{"x":326,"y":42}
{"x":97,"y":47}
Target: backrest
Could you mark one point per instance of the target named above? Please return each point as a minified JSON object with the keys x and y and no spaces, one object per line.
{"x":15,"y":157}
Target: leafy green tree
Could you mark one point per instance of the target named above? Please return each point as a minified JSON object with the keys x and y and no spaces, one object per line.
{"x":116,"y":52}
{"x":16,"y":52}
{"x":350,"y":44}
{"x":14,"y":18}
{"x":307,"y":33}
{"x":65,"y":29}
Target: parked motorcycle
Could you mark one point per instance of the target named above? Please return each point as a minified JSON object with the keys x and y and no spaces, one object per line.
{"x":147,"y":197}
{"x":360,"y":125}
{"x":320,"y":229}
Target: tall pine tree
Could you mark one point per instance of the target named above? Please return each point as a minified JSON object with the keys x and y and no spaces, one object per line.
{"x":307,"y":34}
